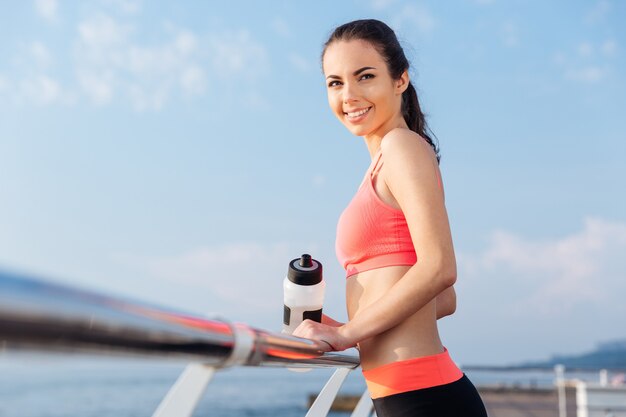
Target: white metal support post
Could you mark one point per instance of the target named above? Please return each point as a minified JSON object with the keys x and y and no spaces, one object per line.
{"x":182,"y":398}
{"x":582,"y":402}
{"x":560,"y":386}
{"x":364,"y":407}
{"x":323,"y":402}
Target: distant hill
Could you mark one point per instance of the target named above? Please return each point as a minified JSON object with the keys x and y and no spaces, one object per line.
{"x":609,"y":355}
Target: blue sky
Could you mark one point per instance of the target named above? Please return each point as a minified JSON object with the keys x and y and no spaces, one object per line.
{"x":182,"y":153}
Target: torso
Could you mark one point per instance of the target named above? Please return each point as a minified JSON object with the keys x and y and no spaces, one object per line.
{"x":414,"y":337}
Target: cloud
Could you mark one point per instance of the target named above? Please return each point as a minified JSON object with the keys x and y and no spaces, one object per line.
{"x":381,"y":4}
{"x":240,"y":275}
{"x":47,"y":9}
{"x":281,"y":27}
{"x":148,"y":98}
{"x":598,"y":13}
{"x":110,"y":61}
{"x":418,"y":17}
{"x":33,"y":82}
{"x":510,"y":35}
{"x":40,"y":54}
{"x":589,"y":62}
{"x":42,"y":89}
{"x":125,"y":6}
{"x":186,"y":43}
{"x":98,"y":87}
{"x":34,"y":56}
{"x":318,"y":180}
{"x":255,"y":101}
{"x":238,"y":54}
{"x":553,"y":277}
{"x":4,"y":83}
{"x":193,"y":80}
{"x":585,"y":49}
{"x":609,"y":48}
{"x":300,"y":63}
{"x":101,"y":53}
{"x":588,"y":75}
{"x":102,"y":31}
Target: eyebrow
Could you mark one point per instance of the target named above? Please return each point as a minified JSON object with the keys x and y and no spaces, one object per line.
{"x":357,"y":72}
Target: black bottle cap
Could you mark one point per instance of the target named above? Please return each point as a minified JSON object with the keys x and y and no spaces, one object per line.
{"x":305,"y":271}
{"x":306,"y":261}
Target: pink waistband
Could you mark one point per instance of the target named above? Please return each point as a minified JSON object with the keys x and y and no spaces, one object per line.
{"x":412,"y":374}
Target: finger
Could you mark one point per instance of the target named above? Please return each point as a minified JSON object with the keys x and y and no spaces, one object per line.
{"x":324,"y":346}
{"x":329,"y":344}
{"x":300,"y":330}
{"x":305,"y":324}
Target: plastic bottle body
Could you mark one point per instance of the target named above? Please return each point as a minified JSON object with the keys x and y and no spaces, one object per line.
{"x":302,"y":302}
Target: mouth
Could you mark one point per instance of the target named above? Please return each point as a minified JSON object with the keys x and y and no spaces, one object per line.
{"x":356,"y":114}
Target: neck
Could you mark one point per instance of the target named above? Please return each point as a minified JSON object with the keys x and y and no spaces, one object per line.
{"x":374,"y":139}
{"x":373,"y":145}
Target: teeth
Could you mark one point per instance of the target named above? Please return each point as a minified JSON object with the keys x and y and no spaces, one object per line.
{"x":358,"y":113}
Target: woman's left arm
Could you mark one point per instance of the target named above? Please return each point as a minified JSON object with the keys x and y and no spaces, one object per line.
{"x":412,"y":175}
{"x":446,"y":303}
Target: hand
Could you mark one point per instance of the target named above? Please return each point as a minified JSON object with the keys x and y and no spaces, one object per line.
{"x":330,"y":338}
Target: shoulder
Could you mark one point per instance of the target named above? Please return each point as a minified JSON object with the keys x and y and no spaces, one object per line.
{"x":409,"y":162}
{"x":402,"y":144}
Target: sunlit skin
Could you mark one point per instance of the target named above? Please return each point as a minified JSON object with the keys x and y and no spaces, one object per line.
{"x":357,"y":79}
{"x":393,"y":310}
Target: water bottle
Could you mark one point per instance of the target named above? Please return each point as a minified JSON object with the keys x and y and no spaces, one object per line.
{"x":303,"y":290}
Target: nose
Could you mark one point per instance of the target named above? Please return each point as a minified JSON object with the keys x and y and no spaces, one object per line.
{"x":350,"y":92}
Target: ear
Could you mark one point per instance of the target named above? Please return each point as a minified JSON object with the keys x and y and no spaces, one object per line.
{"x":402,"y":83}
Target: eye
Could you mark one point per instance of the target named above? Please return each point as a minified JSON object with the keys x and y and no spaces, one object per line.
{"x":334,"y":83}
{"x":367,"y":76}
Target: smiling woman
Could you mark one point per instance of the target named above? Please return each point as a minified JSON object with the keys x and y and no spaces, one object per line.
{"x":393,"y":239}
{"x":389,"y":69}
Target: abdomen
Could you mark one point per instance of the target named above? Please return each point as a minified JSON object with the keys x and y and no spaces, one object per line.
{"x":415,"y":336}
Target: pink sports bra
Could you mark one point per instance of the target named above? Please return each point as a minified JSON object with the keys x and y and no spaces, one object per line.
{"x":370,"y":233}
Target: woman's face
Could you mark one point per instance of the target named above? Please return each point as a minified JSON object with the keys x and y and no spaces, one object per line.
{"x":360,"y":90}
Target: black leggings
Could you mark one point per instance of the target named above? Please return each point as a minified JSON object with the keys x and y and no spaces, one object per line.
{"x":457,"y":399}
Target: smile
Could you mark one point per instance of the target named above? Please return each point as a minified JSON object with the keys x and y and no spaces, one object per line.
{"x":358,"y":113}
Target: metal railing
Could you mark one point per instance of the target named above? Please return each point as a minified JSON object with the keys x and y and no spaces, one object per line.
{"x":38,"y":315}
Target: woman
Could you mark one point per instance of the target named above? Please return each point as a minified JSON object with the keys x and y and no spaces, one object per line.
{"x":393,"y":238}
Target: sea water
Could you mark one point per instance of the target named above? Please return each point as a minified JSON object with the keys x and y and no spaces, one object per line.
{"x":60,"y":385}
{"x":57,"y":385}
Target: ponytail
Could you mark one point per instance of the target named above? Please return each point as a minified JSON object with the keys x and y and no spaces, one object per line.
{"x":414,"y":117}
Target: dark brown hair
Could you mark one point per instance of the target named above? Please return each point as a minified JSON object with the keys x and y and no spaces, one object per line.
{"x":384,"y":39}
